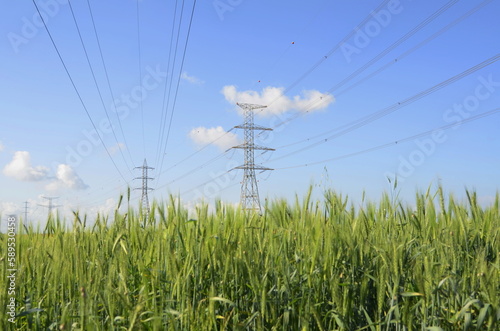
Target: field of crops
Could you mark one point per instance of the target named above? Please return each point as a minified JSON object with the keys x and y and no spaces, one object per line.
{"x":307,"y":265}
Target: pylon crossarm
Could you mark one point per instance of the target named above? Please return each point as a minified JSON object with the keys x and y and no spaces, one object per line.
{"x":252,"y":127}
{"x":245,"y":146}
{"x":250,"y":106}
{"x":247,"y":167}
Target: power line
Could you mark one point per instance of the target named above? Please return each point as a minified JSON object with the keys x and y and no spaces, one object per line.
{"x":220,"y":189}
{"x":213,"y":141}
{"x":366,"y":19}
{"x":417,"y":28}
{"x":335,"y":48}
{"x":398,"y":42}
{"x":193,"y":170}
{"x":321,"y":60}
{"x":35,"y":212}
{"x":204,"y":183}
{"x":388,"y":110}
{"x":331,"y":51}
{"x":188,"y":173}
{"x":163,"y":121}
{"x":194,"y":153}
{"x":93,"y":200}
{"x":140,"y":75}
{"x":164,"y":109}
{"x":96,"y":84}
{"x":399,"y":141}
{"x":414,"y":48}
{"x":108,"y":81}
{"x":177,"y":86}
{"x":386,"y":51}
{"x":270,"y":69}
{"x":76,"y":89}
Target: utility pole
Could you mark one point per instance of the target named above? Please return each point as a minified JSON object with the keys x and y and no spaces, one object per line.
{"x":26,"y":212}
{"x":249,"y":198}
{"x":145,"y":189}
{"x":50,"y":205}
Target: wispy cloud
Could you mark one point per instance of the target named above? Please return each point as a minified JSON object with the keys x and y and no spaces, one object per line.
{"x":220,"y":138}
{"x":20,"y":168}
{"x":277,"y":102}
{"x":116,"y":148}
{"x":7,"y":208}
{"x":191,"y":79}
{"x":2,"y":147}
{"x":66,"y":178}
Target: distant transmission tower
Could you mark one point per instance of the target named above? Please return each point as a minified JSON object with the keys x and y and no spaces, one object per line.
{"x":249,"y":198}
{"x":26,"y":212}
{"x":145,"y":189}
{"x":50,"y":205}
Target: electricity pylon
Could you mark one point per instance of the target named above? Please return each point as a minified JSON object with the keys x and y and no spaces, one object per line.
{"x":50,"y":206}
{"x":145,"y":189}
{"x":25,"y":212}
{"x":249,"y":198}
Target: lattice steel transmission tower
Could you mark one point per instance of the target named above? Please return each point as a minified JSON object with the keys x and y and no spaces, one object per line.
{"x":50,"y":205}
{"x":249,"y":199}
{"x":144,"y":188}
{"x":26,"y":203}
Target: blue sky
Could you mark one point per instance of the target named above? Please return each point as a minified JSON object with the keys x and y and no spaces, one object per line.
{"x":301,"y":59}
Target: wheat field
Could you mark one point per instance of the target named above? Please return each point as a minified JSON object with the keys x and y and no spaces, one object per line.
{"x":305,"y":265}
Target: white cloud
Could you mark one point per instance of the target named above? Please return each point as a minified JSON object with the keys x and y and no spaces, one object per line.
{"x":277,"y":102}
{"x":191,"y":79}
{"x":20,"y":168}
{"x":66,"y":177}
{"x":116,"y":148}
{"x":8,"y":208}
{"x":2,"y":147}
{"x":218,"y":136}
{"x":108,"y":207}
